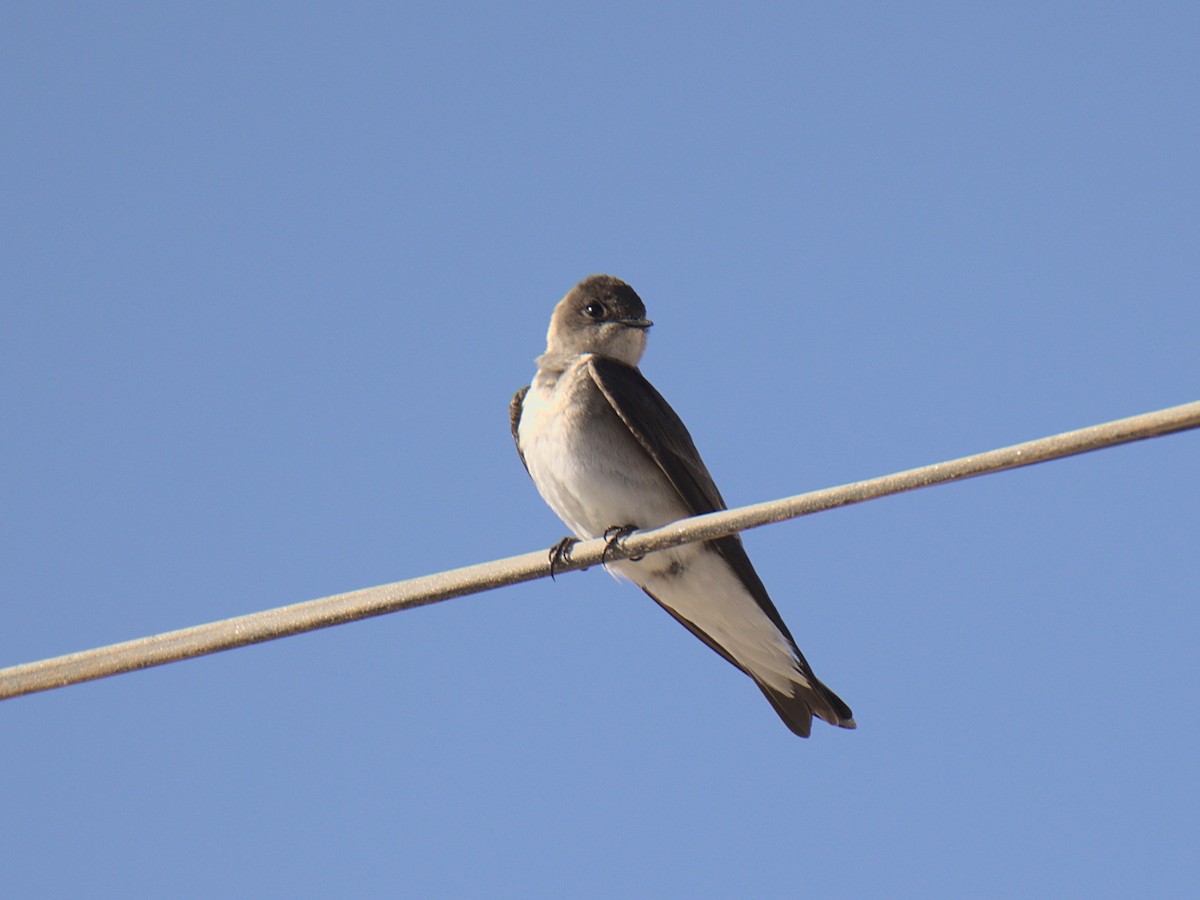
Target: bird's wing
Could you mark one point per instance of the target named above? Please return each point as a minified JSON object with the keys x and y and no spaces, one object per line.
{"x":661,"y":433}
{"x":659,"y":430}
{"x":514,"y":420}
{"x":665,"y":439}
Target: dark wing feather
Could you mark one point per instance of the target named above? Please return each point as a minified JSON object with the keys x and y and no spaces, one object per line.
{"x":666,"y":440}
{"x":659,"y":430}
{"x":664,"y":437}
{"x":514,"y":420}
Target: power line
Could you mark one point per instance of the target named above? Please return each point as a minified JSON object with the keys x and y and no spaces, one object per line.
{"x":283,"y":621}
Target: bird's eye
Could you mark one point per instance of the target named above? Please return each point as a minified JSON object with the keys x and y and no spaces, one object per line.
{"x":594,"y":311}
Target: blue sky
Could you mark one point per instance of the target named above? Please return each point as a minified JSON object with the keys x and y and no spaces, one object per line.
{"x":271,"y":274}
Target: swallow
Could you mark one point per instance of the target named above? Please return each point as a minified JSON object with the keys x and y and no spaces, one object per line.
{"x":609,"y":455}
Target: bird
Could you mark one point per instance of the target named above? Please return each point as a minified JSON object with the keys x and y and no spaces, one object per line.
{"x":609,"y":455}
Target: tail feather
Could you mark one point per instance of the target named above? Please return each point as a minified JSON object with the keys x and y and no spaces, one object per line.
{"x":797,"y":710}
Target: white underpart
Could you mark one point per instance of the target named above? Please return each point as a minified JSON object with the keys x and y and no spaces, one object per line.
{"x":592,"y":491}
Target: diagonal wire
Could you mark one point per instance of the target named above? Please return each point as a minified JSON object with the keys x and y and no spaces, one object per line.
{"x":338,"y":609}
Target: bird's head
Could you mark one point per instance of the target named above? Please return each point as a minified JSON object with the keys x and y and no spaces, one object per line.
{"x":601,"y":315}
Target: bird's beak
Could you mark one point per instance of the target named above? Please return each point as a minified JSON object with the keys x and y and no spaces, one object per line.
{"x":637,"y":323}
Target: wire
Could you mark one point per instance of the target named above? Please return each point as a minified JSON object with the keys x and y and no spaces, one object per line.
{"x":338,"y":609}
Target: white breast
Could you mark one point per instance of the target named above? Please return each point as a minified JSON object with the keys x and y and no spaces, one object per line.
{"x":586,"y":465}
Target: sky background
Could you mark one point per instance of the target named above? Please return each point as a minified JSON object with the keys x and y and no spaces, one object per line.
{"x":271,"y":273}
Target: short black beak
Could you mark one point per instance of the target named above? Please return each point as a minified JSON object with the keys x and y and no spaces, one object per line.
{"x":637,"y":323}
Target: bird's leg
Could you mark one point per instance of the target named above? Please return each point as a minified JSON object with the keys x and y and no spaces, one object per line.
{"x":560,"y":554}
{"x":614,"y":536}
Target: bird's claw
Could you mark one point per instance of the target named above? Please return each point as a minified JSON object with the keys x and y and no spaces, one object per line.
{"x":560,"y":554}
{"x":614,"y":536}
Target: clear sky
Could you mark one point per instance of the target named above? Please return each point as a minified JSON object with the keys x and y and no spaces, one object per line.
{"x":271,"y":273}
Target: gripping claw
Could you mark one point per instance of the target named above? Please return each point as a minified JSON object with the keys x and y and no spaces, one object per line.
{"x":614,"y":536}
{"x":560,"y":554}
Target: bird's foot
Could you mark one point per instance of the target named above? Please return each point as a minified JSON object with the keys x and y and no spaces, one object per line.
{"x":614,"y":536}
{"x":560,"y":554}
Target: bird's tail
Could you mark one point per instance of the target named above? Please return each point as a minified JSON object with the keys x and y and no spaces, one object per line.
{"x":807,"y":700}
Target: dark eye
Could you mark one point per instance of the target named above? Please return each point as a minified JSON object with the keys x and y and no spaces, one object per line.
{"x":594,"y":311}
